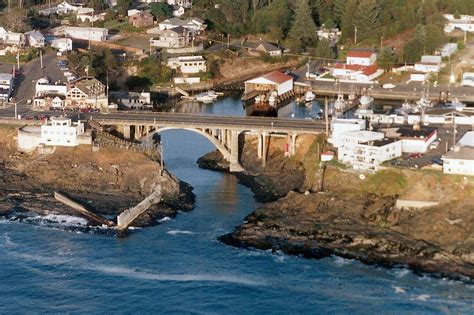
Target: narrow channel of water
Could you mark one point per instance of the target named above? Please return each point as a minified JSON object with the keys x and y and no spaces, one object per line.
{"x":180,"y":267}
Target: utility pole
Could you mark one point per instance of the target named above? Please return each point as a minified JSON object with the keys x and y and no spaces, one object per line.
{"x":465,"y":37}
{"x":454,"y":129}
{"x":326,"y":116}
{"x":41,"y":58}
{"x":355,"y":35}
{"x":228,"y":40}
{"x":381,"y":42}
{"x":18,"y":58}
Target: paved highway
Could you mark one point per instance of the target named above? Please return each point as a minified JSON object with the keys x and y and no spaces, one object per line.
{"x":201,"y":121}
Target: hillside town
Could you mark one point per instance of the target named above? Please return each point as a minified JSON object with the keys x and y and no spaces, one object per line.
{"x":350,"y":121}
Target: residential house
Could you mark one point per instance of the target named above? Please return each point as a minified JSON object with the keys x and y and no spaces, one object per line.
{"x":266,"y":48}
{"x":60,"y":9}
{"x":11,"y":38}
{"x":86,"y":92}
{"x":133,"y":12}
{"x":463,"y":22}
{"x":448,"y":49}
{"x":367,"y":150}
{"x":34,"y":39}
{"x":142,"y":19}
{"x":183,"y":3}
{"x":178,"y":11}
{"x":460,"y":160}
{"x":6,"y":86}
{"x":49,"y":101}
{"x":62,"y":44}
{"x":361,"y":57}
{"x":132,"y":99}
{"x":194,"y":25}
{"x":273,"y":81}
{"x":82,"y":33}
{"x":178,"y":37}
{"x":356,"y":72}
{"x":428,"y":64}
{"x":188,"y":64}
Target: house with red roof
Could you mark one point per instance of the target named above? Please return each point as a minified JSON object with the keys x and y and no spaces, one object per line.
{"x":361,"y":57}
{"x":273,"y":81}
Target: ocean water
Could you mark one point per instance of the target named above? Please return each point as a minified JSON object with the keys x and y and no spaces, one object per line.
{"x":180,"y":267}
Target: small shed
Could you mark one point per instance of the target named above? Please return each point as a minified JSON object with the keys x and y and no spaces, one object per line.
{"x":273,"y":81}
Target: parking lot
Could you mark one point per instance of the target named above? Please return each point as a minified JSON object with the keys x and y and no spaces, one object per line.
{"x":435,"y":152}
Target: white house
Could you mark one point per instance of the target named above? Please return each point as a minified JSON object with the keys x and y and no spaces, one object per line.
{"x":366,"y":150}
{"x":448,"y":49}
{"x":83,"y":33}
{"x":188,"y":64}
{"x":60,"y":131}
{"x":342,"y":126}
{"x":184,"y":3}
{"x":62,"y":44}
{"x":273,"y":81}
{"x":464,"y":23}
{"x":6,"y":85}
{"x":361,"y":57}
{"x":468,"y":79}
{"x":45,"y":86}
{"x":88,"y":15}
{"x":267,"y":48}
{"x":356,"y":72}
{"x":178,"y":37}
{"x":417,"y":139}
{"x":34,"y":39}
{"x":194,"y":25}
{"x":428,"y":64}
{"x":11,"y":38}
{"x":49,"y":101}
{"x":86,"y":92}
{"x":460,"y":160}
{"x":131,"y":99}
{"x":178,"y":10}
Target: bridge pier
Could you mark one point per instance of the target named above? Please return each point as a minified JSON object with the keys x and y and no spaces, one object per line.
{"x":292,"y":144}
{"x":126,"y":132}
{"x":234,"y":164}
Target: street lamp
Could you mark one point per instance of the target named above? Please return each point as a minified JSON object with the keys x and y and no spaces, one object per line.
{"x":222,"y":41}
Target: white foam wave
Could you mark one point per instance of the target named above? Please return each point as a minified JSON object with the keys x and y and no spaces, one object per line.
{"x":400,"y":273}
{"x":175,"y":232}
{"x":399,"y":289}
{"x":65,"y":220}
{"x":164,"y":219}
{"x":422,"y":297}
{"x":141,"y":275}
{"x":340,"y":261}
{"x":126,"y":272}
{"x":7,"y":240}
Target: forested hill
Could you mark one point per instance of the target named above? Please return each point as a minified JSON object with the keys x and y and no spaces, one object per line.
{"x":293,"y":22}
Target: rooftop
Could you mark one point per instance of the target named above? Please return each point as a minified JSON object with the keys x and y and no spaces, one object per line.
{"x":277,"y":77}
{"x":422,"y":133}
{"x":467,"y":140}
{"x":364,"y":136}
{"x":460,"y":153}
{"x":367,"y":70}
{"x":360,"y":53}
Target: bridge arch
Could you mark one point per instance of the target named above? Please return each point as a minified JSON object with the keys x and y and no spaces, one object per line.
{"x":219,"y":146}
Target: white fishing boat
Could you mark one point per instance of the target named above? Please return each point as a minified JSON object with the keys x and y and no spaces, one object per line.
{"x":258,"y":99}
{"x":455,"y":104}
{"x":339,"y":105}
{"x":424,"y":102}
{"x":272,"y":98}
{"x":309,"y":96}
{"x":207,"y":97}
{"x":365,"y":101}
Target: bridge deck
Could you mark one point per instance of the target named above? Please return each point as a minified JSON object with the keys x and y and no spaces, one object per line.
{"x":210,"y":122}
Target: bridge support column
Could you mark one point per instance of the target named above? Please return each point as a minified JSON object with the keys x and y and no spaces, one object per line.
{"x":264,"y":149}
{"x":234,"y":152}
{"x":260,"y":147}
{"x":292,"y":144}
{"x":126,"y":131}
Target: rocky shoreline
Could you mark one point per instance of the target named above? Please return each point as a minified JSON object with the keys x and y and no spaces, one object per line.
{"x":350,"y":222}
{"x":107,"y":182}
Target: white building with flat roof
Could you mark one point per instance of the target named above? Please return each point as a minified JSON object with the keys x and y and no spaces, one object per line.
{"x":341,"y":126}
{"x":367,"y":150}
{"x":188,"y":64}
{"x":84,"y":33}
{"x":6,"y":85}
{"x":462,"y":22}
{"x":45,"y":86}
{"x":62,"y":44}
{"x":460,"y":160}
{"x":60,"y":131}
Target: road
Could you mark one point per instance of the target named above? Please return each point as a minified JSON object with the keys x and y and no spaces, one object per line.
{"x":201,"y":121}
{"x":178,"y":120}
{"x":32,"y":71}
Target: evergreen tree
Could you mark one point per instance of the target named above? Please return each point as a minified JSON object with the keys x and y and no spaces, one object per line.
{"x":324,"y":50}
{"x":366,"y":19}
{"x":303,"y":32}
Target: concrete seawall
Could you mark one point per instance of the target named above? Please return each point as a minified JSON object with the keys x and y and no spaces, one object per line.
{"x":416,"y":204}
{"x":126,"y":218}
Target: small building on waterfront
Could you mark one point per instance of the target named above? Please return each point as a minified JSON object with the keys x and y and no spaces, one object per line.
{"x":417,"y":139}
{"x":188,"y":64}
{"x":131,"y":99}
{"x":58,"y":131}
{"x":460,"y":160}
{"x":86,"y":92}
{"x":44,"y":86}
{"x":273,"y":81}
{"x":361,"y":57}
{"x":429,"y":64}
{"x":83,"y":33}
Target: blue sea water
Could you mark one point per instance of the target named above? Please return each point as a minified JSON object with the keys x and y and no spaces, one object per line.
{"x":180,"y":267}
